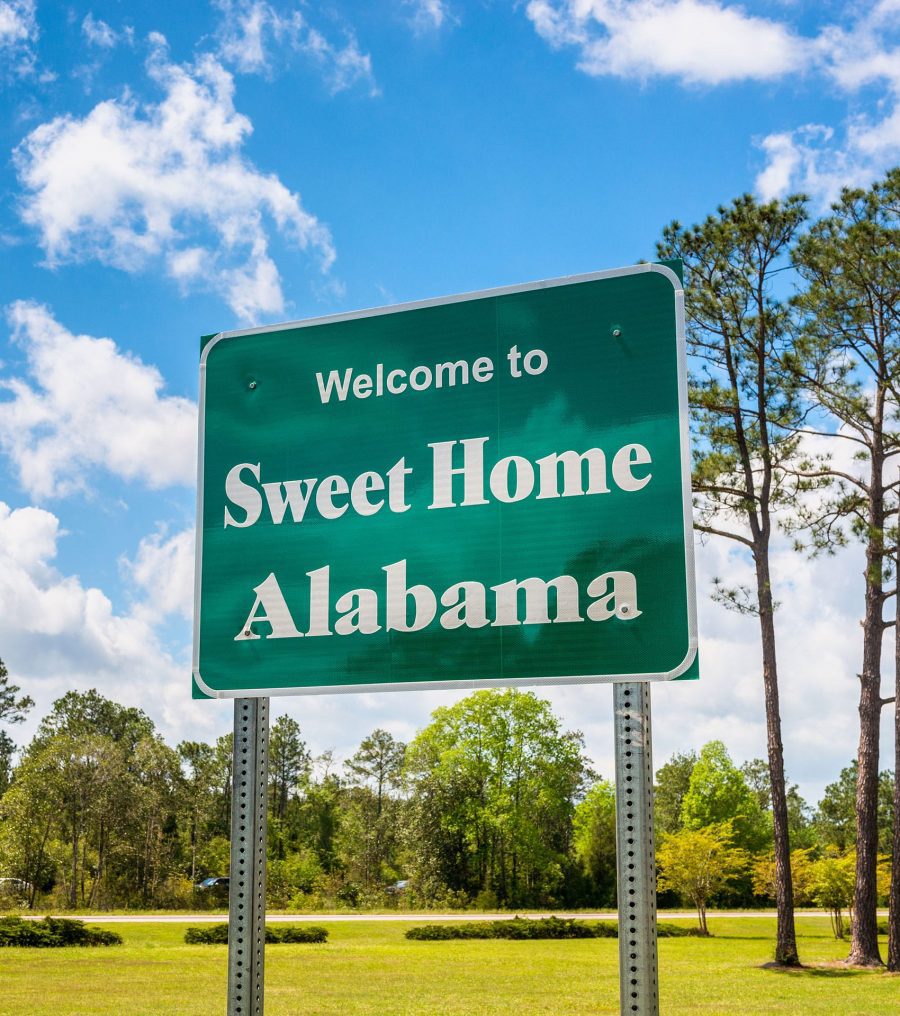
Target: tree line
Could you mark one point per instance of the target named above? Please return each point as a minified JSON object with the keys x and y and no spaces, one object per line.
{"x":794,"y":350}
{"x":492,"y":804}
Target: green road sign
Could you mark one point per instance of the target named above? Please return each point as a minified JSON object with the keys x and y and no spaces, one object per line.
{"x":489,"y":489}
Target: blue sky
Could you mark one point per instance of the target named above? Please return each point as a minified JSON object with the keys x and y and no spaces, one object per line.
{"x":173,"y":170}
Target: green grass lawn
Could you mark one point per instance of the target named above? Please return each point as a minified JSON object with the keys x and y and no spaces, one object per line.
{"x":369,"y":968}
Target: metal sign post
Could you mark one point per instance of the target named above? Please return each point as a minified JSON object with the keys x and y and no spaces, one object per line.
{"x":635,"y":855}
{"x":247,"y":878}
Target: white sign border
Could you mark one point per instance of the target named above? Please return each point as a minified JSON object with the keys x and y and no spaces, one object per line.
{"x":470,"y":683}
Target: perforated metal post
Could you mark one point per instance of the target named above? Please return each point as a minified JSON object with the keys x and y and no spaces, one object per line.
{"x":635,"y":855}
{"x":247,"y":885}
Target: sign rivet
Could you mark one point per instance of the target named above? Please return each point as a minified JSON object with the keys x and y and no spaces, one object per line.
{"x":617,"y":333}
{"x":252,"y":384}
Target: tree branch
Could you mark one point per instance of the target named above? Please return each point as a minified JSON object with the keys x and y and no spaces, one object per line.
{"x":722,"y":532}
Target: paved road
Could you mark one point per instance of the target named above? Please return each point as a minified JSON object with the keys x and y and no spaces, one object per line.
{"x":607,"y":915}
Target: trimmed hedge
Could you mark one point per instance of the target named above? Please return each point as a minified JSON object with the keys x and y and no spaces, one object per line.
{"x":217,"y":934}
{"x":53,"y":933}
{"x":520,"y":928}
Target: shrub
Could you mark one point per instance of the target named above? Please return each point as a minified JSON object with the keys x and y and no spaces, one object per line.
{"x":521,"y":928}
{"x":217,"y":934}
{"x":53,"y":933}
{"x":294,"y":933}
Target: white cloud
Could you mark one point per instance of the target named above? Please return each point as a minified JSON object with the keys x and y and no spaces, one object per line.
{"x":163,"y":571}
{"x":132,"y":185}
{"x":711,"y":42}
{"x":86,"y":405}
{"x":59,"y":635}
{"x":18,"y":33}
{"x":820,"y":160}
{"x":253,"y":34}
{"x":98,"y":33}
{"x":428,"y":15}
{"x":695,"y":41}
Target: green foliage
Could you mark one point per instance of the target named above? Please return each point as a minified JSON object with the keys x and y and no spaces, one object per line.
{"x":289,"y":765}
{"x":93,"y":804}
{"x":519,"y":928}
{"x":673,"y":781}
{"x":490,"y":812}
{"x":718,"y":793}
{"x":698,"y":863}
{"x":493,"y":782}
{"x":12,"y":710}
{"x":744,"y":416}
{"x":297,"y":875}
{"x":594,"y":842}
{"x":523,"y":928}
{"x":88,"y":713}
{"x":803,"y":876}
{"x":53,"y":933}
{"x":368,"y":839}
{"x":217,"y":934}
{"x":835,"y":818}
{"x":833,"y":883}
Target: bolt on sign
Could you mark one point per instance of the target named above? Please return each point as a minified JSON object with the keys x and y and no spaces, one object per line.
{"x":488,"y":489}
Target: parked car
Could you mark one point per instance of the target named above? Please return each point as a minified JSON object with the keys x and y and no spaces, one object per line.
{"x":14,"y":889}
{"x":216,"y":882}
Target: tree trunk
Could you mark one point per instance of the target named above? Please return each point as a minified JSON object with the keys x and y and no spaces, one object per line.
{"x":73,"y":888}
{"x":863,"y":934}
{"x":864,"y":928}
{"x":786,"y":939}
{"x":894,"y":901}
{"x":864,"y":940}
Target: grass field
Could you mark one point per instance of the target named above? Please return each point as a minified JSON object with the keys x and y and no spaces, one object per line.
{"x":370,"y":969}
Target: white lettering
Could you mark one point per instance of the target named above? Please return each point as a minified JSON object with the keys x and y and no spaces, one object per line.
{"x":573,"y":473}
{"x":398,"y":595}
{"x":468,"y":609}
{"x":329,"y":488}
{"x":620,"y":601}
{"x":359,"y":613}
{"x":625,"y":458}
{"x":363,"y":485}
{"x":275,"y":612}
{"x":334,"y":383}
{"x":472,"y":470}
{"x":319,"y":599}
{"x":242,"y":495}
{"x":537,"y":601}
{"x":293,"y":496}
{"x":499,"y":481}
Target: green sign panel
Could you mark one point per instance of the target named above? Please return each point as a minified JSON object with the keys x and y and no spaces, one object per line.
{"x":490,"y":489}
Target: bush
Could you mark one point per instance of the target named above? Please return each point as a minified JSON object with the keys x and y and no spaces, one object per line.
{"x":53,"y":933}
{"x":521,"y":928}
{"x":293,"y":933}
{"x":217,"y":934}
